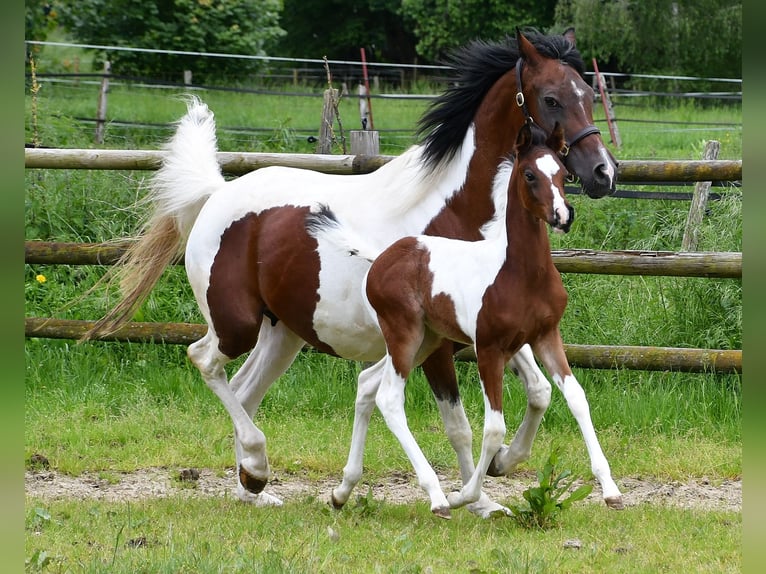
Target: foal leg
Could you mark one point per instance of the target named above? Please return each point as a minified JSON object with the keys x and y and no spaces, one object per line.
{"x":273,"y":354}
{"x":491,"y":366}
{"x":390,"y":401}
{"x":538,"y":391}
{"x":367,"y":389}
{"x":550,"y":349}
{"x":439,"y":369}
{"x":253,"y":468}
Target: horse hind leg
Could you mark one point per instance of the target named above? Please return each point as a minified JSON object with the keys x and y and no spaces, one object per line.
{"x":439,"y":369}
{"x":367,"y":389}
{"x":253,"y":468}
{"x":272,"y":355}
{"x":538,"y":391}
{"x":390,"y":401}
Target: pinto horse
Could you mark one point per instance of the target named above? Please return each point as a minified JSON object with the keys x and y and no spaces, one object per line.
{"x":496,"y":294}
{"x":266,"y":287}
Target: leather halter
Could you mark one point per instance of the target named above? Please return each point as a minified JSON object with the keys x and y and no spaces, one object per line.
{"x":521,"y":102}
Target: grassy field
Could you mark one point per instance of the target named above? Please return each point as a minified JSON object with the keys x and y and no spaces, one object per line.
{"x":114,"y":408}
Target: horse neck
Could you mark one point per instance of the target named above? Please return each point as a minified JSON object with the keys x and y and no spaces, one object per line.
{"x":527,"y":243}
{"x":495,"y":125}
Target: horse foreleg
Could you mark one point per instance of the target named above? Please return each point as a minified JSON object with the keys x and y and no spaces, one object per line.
{"x":272,"y":355}
{"x":491,"y":366}
{"x":253,"y":468}
{"x":390,"y":401}
{"x":551,"y":353}
{"x":367,"y":388}
{"x":538,"y":391}
{"x":439,"y":369}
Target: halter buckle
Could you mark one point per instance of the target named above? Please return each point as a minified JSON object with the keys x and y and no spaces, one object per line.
{"x":520,"y":99}
{"x":564,"y":151}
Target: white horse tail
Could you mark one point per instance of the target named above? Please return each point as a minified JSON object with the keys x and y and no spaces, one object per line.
{"x":189,"y":175}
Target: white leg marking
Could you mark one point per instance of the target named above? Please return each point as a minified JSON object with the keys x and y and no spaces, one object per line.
{"x":538,"y":391}
{"x":494,"y":432}
{"x":367,"y":388}
{"x":390,"y":401}
{"x":210,"y":362}
{"x":578,"y":404}
{"x":275,"y":351}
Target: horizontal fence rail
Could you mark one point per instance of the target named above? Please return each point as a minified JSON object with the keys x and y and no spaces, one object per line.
{"x":238,"y":163}
{"x":657,"y":263}
{"x":586,"y":356}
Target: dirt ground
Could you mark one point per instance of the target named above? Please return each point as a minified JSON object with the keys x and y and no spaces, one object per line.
{"x":398,"y":488}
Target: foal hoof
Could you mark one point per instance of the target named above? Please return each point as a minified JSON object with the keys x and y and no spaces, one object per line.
{"x":250,"y":482}
{"x":442,"y":512}
{"x":614,"y":502}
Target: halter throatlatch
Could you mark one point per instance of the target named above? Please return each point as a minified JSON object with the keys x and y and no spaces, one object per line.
{"x":522,"y":103}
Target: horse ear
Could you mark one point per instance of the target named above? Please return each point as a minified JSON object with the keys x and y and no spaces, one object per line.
{"x":556,"y":139}
{"x":569,"y":34}
{"x":526,"y":49}
{"x":523,"y":138}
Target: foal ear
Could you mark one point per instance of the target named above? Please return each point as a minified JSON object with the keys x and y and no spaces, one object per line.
{"x":556,"y":139}
{"x":526,"y":49}
{"x":524,"y":138}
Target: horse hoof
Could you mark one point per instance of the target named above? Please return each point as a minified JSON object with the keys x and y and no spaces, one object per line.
{"x":251,"y":483}
{"x":495,"y":468}
{"x":336,"y":504}
{"x":614,"y":502}
{"x":442,"y":512}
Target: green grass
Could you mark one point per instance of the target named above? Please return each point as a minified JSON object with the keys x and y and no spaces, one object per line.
{"x":220,"y":535}
{"x":108,"y":407}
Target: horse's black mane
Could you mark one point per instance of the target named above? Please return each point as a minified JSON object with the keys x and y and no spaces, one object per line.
{"x":479,"y":65}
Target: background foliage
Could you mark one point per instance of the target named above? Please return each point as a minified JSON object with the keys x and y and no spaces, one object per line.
{"x":694,"y":37}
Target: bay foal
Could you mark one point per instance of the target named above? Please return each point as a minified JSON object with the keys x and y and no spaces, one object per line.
{"x":496,"y":294}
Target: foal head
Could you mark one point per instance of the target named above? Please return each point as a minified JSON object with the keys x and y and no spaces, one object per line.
{"x":539,"y":175}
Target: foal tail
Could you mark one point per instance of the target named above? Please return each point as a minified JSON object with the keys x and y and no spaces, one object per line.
{"x":189,"y":175}
{"x":322,"y":222}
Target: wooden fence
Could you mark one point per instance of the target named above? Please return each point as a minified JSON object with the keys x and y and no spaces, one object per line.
{"x":658,"y":263}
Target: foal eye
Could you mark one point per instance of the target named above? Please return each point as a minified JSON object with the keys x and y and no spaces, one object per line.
{"x":551,"y":102}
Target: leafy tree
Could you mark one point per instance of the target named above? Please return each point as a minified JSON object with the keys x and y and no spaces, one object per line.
{"x":338,"y":28}
{"x":40,"y":19}
{"x":222,"y":26}
{"x":446,"y":24}
{"x":694,"y":37}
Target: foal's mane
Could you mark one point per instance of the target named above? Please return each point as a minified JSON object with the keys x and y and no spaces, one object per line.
{"x":478,"y":65}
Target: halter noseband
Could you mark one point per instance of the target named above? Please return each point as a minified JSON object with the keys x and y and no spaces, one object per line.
{"x":522,"y":103}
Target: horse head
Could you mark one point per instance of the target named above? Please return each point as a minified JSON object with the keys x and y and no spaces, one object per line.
{"x":539,"y":175}
{"x":552,"y":90}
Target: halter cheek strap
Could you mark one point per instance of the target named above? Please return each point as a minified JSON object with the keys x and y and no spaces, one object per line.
{"x":522,"y":103}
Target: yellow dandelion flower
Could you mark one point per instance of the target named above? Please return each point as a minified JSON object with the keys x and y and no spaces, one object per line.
{"x":41,"y":279}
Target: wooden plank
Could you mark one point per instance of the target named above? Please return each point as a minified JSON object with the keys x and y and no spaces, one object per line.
{"x":585,"y":356}
{"x":239,"y":163}
{"x":655,"y":263}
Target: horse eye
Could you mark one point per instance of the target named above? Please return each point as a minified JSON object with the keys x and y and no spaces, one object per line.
{"x":551,"y":102}
{"x":529,"y":176}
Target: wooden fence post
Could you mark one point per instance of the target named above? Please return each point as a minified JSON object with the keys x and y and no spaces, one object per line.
{"x":365,"y":142}
{"x":614,"y":133}
{"x":699,"y":202}
{"x":324,"y":145}
{"x":101,"y":112}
